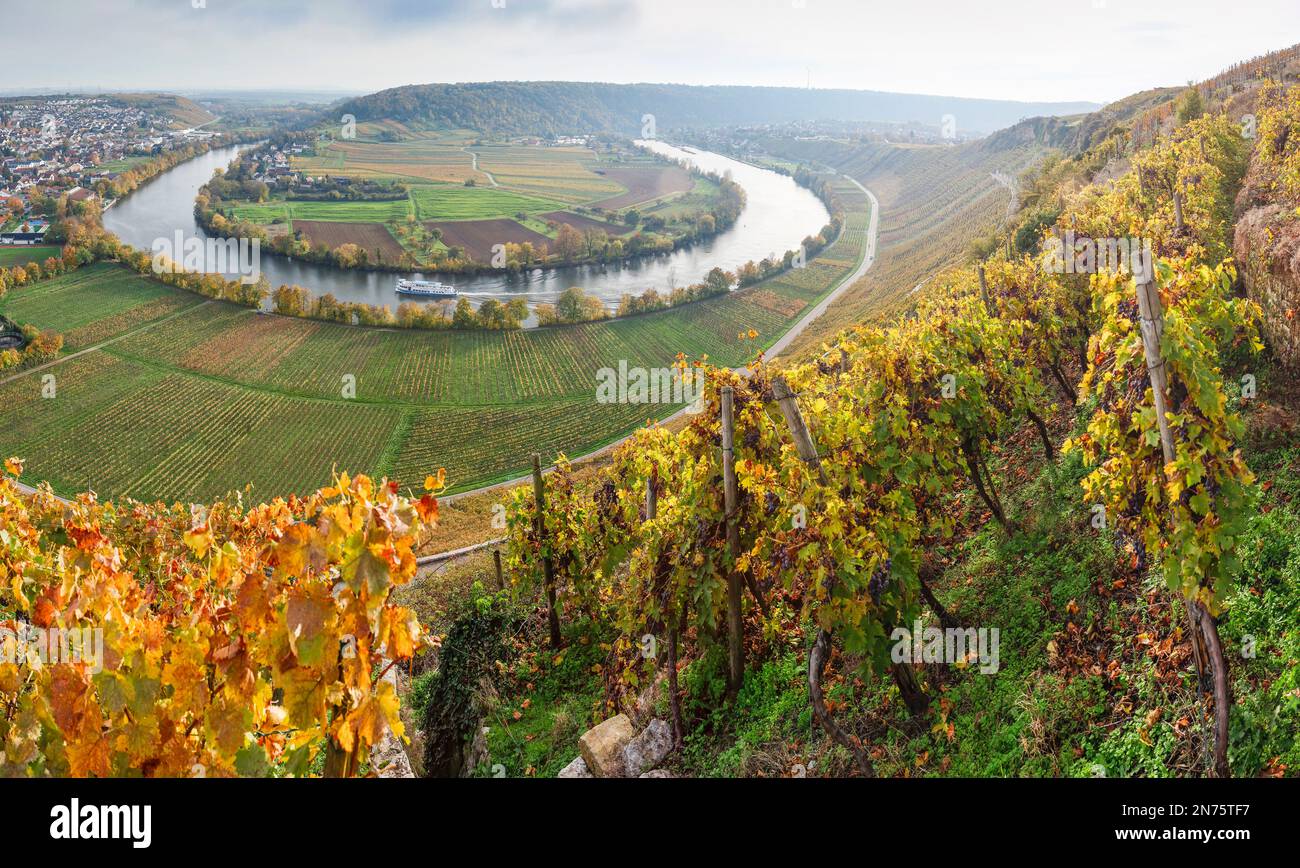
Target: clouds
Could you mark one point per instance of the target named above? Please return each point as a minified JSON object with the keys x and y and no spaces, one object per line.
{"x":1011,"y":49}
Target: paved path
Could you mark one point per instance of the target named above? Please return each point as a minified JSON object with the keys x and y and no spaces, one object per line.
{"x":490,"y":177}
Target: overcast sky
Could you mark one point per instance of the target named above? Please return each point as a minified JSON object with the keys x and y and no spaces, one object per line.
{"x":1095,"y":50}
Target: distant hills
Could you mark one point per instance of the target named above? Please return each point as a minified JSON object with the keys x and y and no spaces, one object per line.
{"x":183,"y":113}
{"x":560,"y":108}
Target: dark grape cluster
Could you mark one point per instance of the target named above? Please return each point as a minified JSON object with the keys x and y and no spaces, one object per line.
{"x":879,"y":582}
{"x":607,"y":496}
{"x":751,"y":438}
{"x":782,"y":558}
{"x":771,"y":503}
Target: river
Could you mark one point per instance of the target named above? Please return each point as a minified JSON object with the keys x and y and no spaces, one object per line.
{"x":778,"y":215}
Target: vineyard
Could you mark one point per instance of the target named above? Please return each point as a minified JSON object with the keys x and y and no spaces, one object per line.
{"x":222,"y":631}
{"x":812,"y":512}
{"x":933,"y":202}
{"x":1028,"y":508}
{"x":207,"y":397}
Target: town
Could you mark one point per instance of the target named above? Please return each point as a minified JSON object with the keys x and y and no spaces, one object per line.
{"x":73,"y":147}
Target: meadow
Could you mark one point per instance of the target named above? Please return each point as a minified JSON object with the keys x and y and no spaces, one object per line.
{"x":11,"y":256}
{"x":188,"y":399}
{"x":446,"y":202}
{"x":331,"y":212}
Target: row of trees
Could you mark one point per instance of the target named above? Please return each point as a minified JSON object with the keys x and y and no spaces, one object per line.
{"x":492,"y":314}
{"x":716,"y":282}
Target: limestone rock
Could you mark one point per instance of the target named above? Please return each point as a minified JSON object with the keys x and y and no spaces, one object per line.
{"x":643,"y":711}
{"x":478,"y":752}
{"x":659,"y":773}
{"x":576,"y":769}
{"x":602,"y":746}
{"x":648,"y":749}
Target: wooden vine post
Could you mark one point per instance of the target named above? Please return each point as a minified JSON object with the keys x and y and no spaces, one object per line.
{"x":731,"y":502}
{"x":821,"y":650}
{"x":1207,"y":647}
{"x":674,"y":628}
{"x":501,"y":576}
{"x":548,"y":567}
{"x":339,"y":763}
{"x":984,"y":293}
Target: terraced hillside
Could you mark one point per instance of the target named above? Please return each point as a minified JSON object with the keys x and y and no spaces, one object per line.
{"x":183,"y":398}
{"x":933,"y":202}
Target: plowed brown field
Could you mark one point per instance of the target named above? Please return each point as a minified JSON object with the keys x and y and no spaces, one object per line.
{"x":645,"y":184}
{"x":375,"y":238}
{"x":479,"y":236}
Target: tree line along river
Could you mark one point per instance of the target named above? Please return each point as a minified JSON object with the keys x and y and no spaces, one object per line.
{"x":778,"y":215}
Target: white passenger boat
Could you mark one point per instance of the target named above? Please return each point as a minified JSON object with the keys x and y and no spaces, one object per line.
{"x":426,"y":289}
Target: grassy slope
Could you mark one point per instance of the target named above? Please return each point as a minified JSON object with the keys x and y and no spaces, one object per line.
{"x":1075,"y":695}
{"x":11,"y":256}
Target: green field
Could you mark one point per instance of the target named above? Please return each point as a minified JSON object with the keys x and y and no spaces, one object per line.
{"x":425,"y":201}
{"x":190,"y":398}
{"x":447,"y":202}
{"x":335,"y":212}
{"x":124,"y":164}
{"x":11,"y":256}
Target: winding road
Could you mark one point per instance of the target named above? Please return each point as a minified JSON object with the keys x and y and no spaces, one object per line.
{"x":491,"y":178}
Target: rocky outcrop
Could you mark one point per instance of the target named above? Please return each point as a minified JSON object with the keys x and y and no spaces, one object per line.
{"x":602,"y":746}
{"x":614,"y":749}
{"x":649,"y":749}
{"x":388,"y":757}
{"x":1267,"y":247}
{"x":478,"y":753}
{"x":576,"y":769}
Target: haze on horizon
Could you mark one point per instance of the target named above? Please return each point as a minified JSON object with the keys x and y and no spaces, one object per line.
{"x":1098,"y":50}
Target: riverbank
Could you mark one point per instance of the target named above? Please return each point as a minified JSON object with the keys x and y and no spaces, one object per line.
{"x":778,"y":215}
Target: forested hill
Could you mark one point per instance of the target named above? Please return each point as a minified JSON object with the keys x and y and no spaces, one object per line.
{"x":557,"y":108}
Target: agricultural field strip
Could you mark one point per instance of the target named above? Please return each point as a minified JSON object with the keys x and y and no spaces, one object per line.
{"x":162,"y":435}
{"x":101,"y":345}
{"x":62,"y":306}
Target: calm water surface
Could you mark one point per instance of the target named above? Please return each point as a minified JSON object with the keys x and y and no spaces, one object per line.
{"x":778,"y":215}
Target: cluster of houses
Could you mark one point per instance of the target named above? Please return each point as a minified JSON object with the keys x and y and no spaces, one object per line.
{"x":275,"y":163}
{"x":62,"y":145}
